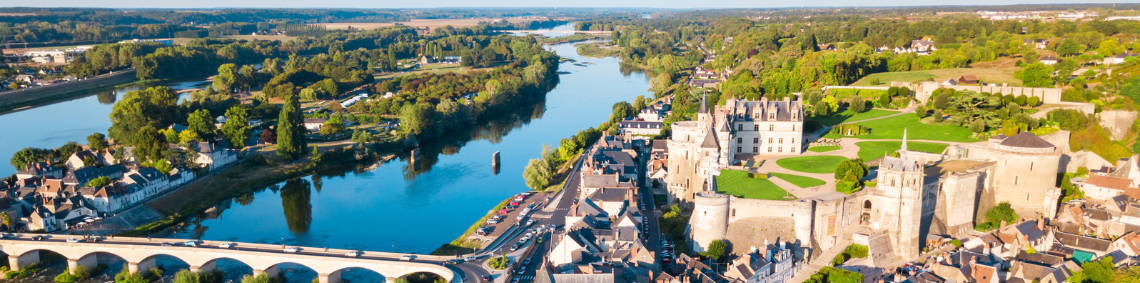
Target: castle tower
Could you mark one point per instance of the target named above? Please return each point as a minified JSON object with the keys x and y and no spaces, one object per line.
{"x":896,"y":202}
{"x":709,"y":221}
{"x":704,"y":118}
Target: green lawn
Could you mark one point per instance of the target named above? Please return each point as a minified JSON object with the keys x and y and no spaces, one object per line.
{"x":737,"y":183}
{"x":988,"y":75}
{"x":871,"y":150}
{"x":892,"y":128}
{"x":811,"y":164}
{"x":824,"y":148}
{"x":800,"y":181}
{"x":848,"y":116}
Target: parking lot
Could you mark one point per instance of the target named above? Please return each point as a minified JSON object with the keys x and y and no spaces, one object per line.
{"x":509,"y":216}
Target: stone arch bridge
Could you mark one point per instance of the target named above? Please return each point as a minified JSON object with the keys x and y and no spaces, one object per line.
{"x":140,"y":254}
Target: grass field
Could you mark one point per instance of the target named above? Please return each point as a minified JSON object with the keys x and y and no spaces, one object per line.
{"x":800,"y":181}
{"x":824,"y":148}
{"x":871,"y":150}
{"x":892,"y":128}
{"x":737,"y":183}
{"x":850,"y":116}
{"x":994,"y":75}
{"x":811,"y":164}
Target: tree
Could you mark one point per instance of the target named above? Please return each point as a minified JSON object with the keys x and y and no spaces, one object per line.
{"x":821,"y":108}
{"x":99,"y":182}
{"x":639,"y":103}
{"x":260,"y":278}
{"x":202,"y":123}
{"x":539,"y":171}
{"x":68,"y":149}
{"x":661,"y":83}
{"x":187,"y":136}
{"x":149,"y":144}
{"x":269,"y":136}
{"x":716,"y":250}
{"x":236,"y":128}
{"x":1036,"y":75}
{"x":1001,"y":212}
{"x":155,"y":107}
{"x":1068,"y":47}
{"x":920,"y":111}
{"x":857,"y":104}
{"x":854,"y":166}
{"x":226,"y":78}
{"x":941,"y":101}
{"x":622,"y":110}
{"x":885,"y":100}
{"x":6,"y":219}
{"x":29,"y":155}
{"x":291,"y":129}
{"x":97,"y":142}
{"x":185,"y":276}
{"x":332,"y":126}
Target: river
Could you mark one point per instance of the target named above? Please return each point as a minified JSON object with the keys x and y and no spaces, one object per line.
{"x":397,"y":206}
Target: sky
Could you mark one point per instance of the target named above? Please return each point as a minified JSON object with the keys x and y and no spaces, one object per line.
{"x":511,"y":3}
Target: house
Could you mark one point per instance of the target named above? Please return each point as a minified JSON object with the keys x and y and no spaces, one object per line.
{"x":638,"y":127}
{"x":922,"y":47}
{"x":1117,"y":60}
{"x":314,"y":124}
{"x":452,"y":60}
{"x":26,"y":78}
{"x":1049,"y":60}
{"x":149,"y":180}
{"x":1102,"y":187}
{"x":968,"y":79}
{"x":212,"y":156}
{"x":427,"y":59}
{"x":1037,"y":44}
{"x":40,"y":169}
{"x":79,"y":159}
{"x":777,"y":264}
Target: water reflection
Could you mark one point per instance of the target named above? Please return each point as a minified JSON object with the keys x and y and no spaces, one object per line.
{"x":295,"y":198}
{"x":107,"y":97}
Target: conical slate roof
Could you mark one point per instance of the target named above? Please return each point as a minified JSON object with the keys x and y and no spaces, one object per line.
{"x":710,"y":140}
{"x":1026,"y":140}
{"x":704,"y":106}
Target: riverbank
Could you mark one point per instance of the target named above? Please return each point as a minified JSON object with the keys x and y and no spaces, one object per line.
{"x":15,"y":99}
{"x":597,"y":50}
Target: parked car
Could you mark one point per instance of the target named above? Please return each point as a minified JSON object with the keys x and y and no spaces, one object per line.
{"x":407,"y":257}
{"x":191,"y":243}
{"x":522,"y":269}
{"x":514,"y":203}
{"x":530,"y":222}
{"x":352,"y":254}
{"x":72,"y":240}
{"x":292,"y":249}
{"x":227,"y":245}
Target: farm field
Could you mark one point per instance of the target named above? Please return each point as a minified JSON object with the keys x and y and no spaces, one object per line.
{"x":992,"y":75}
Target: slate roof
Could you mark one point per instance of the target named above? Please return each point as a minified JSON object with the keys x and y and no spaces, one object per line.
{"x":710,"y":140}
{"x":1026,"y":140}
{"x":1083,"y":243}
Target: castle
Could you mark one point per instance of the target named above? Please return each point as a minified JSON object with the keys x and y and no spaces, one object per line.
{"x":736,"y":131}
{"x":915,"y":195}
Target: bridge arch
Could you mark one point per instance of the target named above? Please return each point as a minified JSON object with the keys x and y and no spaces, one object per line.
{"x":220,"y":262}
{"x":276,"y":268}
{"x":368,"y":274}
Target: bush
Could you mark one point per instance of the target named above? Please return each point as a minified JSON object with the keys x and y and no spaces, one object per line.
{"x":1034,"y":101}
{"x":957,"y":243}
{"x":829,"y":274}
{"x":920,"y":111}
{"x":1020,"y":100}
{"x":847,"y":187}
{"x":716,"y":250}
{"x":875,"y":81}
{"x":498,"y":263}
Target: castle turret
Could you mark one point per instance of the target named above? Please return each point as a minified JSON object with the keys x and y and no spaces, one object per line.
{"x":709,"y":221}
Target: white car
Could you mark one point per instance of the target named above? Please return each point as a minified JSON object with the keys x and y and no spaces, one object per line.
{"x":292,"y":250}
{"x":72,"y":240}
{"x":529,"y":222}
{"x":407,"y":257}
{"x":227,"y":245}
{"x":352,"y":254}
{"x":191,"y":243}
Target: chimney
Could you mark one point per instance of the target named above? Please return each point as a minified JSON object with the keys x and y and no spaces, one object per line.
{"x":1002,"y":225}
{"x":651,"y":275}
{"x":1041,"y":223}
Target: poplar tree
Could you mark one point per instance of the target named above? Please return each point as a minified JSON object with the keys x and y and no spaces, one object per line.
{"x":290,"y":129}
{"x":236,"y":128}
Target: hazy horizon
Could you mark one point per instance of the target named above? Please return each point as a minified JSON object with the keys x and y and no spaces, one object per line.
{"x":457,"y":4}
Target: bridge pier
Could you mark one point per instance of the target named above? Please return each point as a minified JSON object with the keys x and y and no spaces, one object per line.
{"x":329,"y":278}
{"x":141,"y":266}
{"x":89,"y":261}
{"x":271,"y":271}
{"x":15,"y":262}
{"x":208,"y":267}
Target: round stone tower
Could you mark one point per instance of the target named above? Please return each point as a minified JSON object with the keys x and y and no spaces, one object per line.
{"x":709,"y":220}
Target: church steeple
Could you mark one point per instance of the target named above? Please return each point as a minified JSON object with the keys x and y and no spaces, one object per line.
{"x":704,"y":106}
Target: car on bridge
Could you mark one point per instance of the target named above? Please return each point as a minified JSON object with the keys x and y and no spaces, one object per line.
{"x":453,"y":261}
{"x":407,"y":257}
{"x":72,"y":240}
{"x":352,"y":254}
{"x":292,"y":250}
{"x":227,"y":245}
{"x":191,"y":243}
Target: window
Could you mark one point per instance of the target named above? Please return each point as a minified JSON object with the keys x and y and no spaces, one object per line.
{"x":756,"y":127}
{"x":738,"y":149}
{"x":755,"y":140}
{"x":792,"y":149}
{"x":739,"y":140}
{"x":793,"y":140}
{"x":781,"y":140}
{"x":769,"y":140}
{"x":771,"y":127}
{"x":1015,"y":180}
{"x":739,"y":127}
{"x":793,"y":127}
{"x":780,"y":149}
{"x":1030,"y":166}
{"x":769,"y":149}
{"x":755,"y":149}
